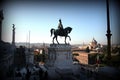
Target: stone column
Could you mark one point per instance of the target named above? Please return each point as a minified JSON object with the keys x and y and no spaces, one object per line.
{"x":1,"y":18}
{"x":108,"y":33}
{"x":13,"y":35}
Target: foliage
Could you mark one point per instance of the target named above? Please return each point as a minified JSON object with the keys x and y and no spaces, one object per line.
{"x":92,"y":58}
{"x":115,"y":50}
{"x":41,"y":57}
{"x":75,"y":54}
{"x":114,"y":61}
{"x":87,"y":49}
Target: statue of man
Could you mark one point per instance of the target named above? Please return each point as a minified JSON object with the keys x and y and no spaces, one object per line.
{"x":60,"y":26}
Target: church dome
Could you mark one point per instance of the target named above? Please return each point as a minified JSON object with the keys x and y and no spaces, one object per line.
{"x":94,"y":41}
{"x":93,"y":44}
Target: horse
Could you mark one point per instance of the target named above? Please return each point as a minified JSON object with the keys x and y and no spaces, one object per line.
{"x":61,"y":32}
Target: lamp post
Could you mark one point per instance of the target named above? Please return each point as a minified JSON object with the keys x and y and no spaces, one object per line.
{"x":108,"y":33}
{"x":14,"y":48}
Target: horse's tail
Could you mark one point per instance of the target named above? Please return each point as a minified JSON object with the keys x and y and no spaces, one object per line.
{"x":52,"y":31}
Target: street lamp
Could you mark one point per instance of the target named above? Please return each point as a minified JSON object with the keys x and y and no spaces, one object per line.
{"x":108,"y":33}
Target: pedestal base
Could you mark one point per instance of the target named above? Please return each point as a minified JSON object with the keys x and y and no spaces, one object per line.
{"x":61,"y":56}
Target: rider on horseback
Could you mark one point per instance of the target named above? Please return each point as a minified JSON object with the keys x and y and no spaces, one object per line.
{"x":63,"y":32}
{"x":60,"y":26}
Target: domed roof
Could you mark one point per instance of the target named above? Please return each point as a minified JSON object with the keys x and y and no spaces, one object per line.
{"x":94,"y":41}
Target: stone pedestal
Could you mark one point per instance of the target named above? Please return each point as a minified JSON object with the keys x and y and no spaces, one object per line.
{"x":61,"y":57}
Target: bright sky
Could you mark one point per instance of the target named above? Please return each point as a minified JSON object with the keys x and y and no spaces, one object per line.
{"x":87,"y":18}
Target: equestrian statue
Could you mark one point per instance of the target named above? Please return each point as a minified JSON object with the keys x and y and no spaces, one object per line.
{"x":63,"y":32}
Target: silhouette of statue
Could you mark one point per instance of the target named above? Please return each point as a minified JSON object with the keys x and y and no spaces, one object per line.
{"x":60,"y":26}
{"x":13,"y":26}
{"x":61,"y":32}
{"x":13,"y":35}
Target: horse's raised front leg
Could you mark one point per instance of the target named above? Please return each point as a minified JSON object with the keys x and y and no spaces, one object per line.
{"x":69,"y":38}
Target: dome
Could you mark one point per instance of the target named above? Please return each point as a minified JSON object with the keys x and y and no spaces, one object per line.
{"x":94,"y":41}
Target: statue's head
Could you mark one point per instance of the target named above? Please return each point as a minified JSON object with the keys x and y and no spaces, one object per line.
{"x":13,"y":26}
{"x":60,"y":20}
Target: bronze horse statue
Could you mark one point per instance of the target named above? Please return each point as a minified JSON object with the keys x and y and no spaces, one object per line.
{"x":58,"y":32}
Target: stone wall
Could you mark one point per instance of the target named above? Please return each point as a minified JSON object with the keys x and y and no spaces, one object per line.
{"x":85,"y":58}
{"x":82,"y":57}
{"x":6,"y":59}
